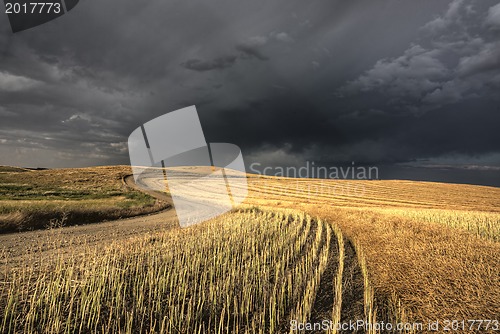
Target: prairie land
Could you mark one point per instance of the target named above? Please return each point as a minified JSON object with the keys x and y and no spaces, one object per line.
{"x":297,"y":251}
{"x":47,"y":198}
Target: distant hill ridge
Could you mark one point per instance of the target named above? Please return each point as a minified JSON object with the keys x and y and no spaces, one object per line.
{"x":10,"y":169}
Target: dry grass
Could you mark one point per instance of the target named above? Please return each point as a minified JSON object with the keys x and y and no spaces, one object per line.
{"x":373,"y":194}
{"x":429,"y":250}
{"x":51,"y":198}
{"x":250,"y":271}
{"x":425,"y":251}
{"x":434,"y":271}
{"x":9,"y":169}
{"x":483,"y":224}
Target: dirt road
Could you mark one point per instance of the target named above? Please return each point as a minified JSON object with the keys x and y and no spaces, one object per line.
{"x":17,"y":248}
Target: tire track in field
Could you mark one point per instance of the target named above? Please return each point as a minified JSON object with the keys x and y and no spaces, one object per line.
{"x":340,"y":296}
{"x":350,"y":297}
{"x":325,"y":297}
{"x":352,"y":288}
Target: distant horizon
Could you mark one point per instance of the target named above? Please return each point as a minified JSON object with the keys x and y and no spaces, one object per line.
{"x":489,"y":178}
{"x":410,"y":83}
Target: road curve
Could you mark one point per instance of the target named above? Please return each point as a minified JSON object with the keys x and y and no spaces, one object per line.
{"x":16,"y":248}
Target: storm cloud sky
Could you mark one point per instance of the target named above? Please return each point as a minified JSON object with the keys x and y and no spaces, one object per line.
{"x":379,"y":82}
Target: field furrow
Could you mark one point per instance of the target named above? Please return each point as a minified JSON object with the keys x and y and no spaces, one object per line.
{"x":306,"y":253}
{"x":251,"y":271}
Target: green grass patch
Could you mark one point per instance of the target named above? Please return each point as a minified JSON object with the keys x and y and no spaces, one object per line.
{"x":33,"y":199}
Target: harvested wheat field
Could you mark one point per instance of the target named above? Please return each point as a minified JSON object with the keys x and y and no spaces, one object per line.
{"x":297,"y":253}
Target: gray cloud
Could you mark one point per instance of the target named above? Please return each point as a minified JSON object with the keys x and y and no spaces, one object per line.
{"x":416,"y":71}
{"x":418,"y":79}
{"x":251,"y":50}
{"x":486,"y":59}
{"x":493,"y":18}
{"x":454,"y":59}
{"x":214,"y":64}
{"x":13,"y":83}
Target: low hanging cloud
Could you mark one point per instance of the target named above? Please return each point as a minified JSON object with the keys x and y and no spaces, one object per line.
{"x":249,"y":49}
{"x":253,"y":46}
{"x":448,"y":63}
{"x":487,"y":59}
{"x":417,"y":70}
{"x":209,"y":65}
{"x":493,"y":18}
{"x":245,"y":51}
{"x":12,"y":83}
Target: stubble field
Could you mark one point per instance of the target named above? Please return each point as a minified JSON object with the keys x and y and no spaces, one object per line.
{"x":297,"y":251}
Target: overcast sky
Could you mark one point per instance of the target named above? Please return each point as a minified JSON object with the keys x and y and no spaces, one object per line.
{"x":380,"y":82}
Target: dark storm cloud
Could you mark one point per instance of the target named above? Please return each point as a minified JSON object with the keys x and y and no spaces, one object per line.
{"x":457,"y":57}
{"x":381,"y":81}
{"x":214,"y":64}
{"x":251,"y":51}
{"x":248,"y":49}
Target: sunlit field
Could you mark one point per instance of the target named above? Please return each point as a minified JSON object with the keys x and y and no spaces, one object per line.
{"x":296,"y":251}
{"x":49,"y":198}
{"x":431,"y":249}
{"x":249,"y":271}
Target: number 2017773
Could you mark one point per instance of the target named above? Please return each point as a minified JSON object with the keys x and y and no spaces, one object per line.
{"x":33,"y":8}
